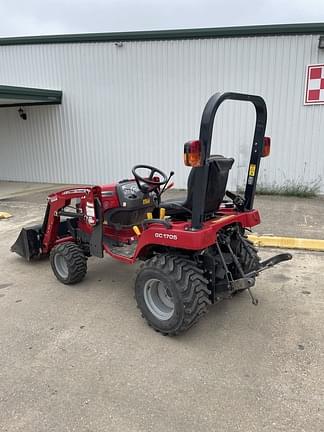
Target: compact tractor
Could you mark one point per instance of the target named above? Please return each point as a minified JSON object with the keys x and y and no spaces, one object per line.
{"x":195,"y":250}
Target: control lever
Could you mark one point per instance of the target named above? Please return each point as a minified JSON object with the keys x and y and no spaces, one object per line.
{"x":237,"y":200}
{"x":169,"y":186}
{"x":165,"y":187}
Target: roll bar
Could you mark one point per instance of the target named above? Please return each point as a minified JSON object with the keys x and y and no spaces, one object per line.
{"x":205,"y":137}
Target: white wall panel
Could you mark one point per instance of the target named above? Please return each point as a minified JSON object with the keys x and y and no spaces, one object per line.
{"x":142,"y":101}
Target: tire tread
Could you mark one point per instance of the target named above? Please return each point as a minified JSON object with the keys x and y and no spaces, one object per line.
{"x":77,"y":262}
{"x":191,"y":284}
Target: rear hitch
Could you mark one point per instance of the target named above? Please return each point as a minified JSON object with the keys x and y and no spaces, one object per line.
{"x":245,"y":283}
{"x":270,"y":262}
{"x":244,"y":279}
{"x":264,"y":265}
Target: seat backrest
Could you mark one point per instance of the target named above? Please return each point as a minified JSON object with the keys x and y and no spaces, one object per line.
{"x":218,"y":171}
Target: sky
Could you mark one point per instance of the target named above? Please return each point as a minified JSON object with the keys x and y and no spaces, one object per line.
{"x":36,"y":17}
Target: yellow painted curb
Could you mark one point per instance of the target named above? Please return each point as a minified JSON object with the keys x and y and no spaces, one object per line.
{"x":287,"y":242}
{"x":5,"y":215}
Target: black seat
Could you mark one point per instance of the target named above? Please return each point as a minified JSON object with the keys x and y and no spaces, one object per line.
{"x":219,"y":168}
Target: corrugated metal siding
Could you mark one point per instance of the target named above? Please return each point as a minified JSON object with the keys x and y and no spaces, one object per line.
{"x":142,"y":101}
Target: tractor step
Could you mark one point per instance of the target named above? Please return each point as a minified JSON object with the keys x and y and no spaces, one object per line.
{"x":118,"y":248}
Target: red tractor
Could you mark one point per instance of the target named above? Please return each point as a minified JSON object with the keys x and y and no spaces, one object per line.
{"x":194,"y":249}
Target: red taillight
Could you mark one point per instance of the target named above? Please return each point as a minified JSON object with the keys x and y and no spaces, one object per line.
{"x":266,"y":146}
{"x":192,"y":153}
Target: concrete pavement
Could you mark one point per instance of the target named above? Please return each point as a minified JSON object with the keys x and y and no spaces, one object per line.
{"x":82,"y":359}
{"x":290,"y":216}
{"x":285,"y":216}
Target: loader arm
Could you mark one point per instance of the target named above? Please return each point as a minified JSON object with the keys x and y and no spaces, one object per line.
{"x":86,"y":218}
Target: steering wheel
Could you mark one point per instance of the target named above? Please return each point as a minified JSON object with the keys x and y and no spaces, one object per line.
{"x":150,"y":181}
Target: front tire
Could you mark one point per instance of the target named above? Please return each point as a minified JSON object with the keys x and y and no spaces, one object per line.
{"x":171,"y":293}
{"x":69,"y":263}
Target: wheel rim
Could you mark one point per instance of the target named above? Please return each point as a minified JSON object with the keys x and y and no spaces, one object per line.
{"x":158,"y":299}
{"x":61,"y":266}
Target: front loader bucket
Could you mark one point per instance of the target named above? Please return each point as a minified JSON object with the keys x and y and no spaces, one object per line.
{"x":28,"y":243}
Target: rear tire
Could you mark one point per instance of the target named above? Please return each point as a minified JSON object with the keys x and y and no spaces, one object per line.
{"x":69,"y":263}
{"x":171,"y":293}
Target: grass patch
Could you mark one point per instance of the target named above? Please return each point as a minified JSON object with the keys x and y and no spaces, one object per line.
{"x":291,"y":188}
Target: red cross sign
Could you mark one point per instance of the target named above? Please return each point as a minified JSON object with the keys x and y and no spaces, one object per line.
{"x":314,"y":84}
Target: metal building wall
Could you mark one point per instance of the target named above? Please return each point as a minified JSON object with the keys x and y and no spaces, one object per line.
{"x":142,"y":101}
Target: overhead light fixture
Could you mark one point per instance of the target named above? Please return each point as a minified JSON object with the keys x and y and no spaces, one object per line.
{"x":22,"y":114}
{"x":321,"y":42}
